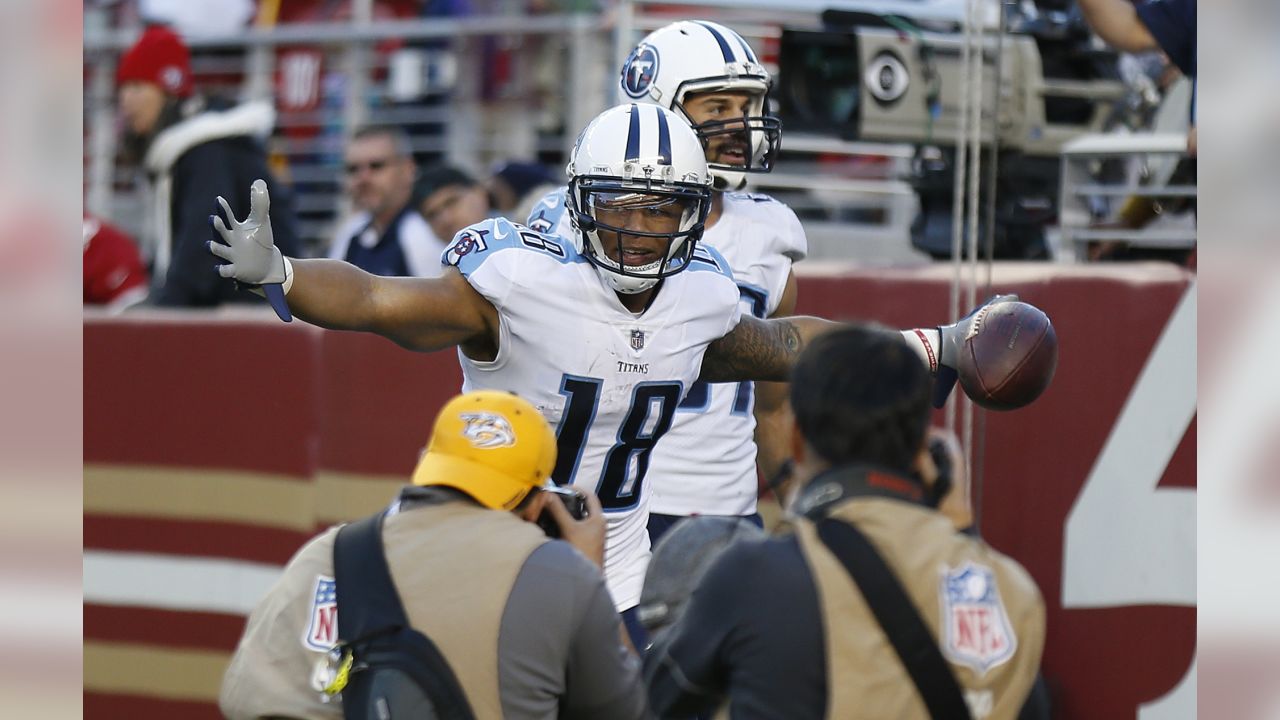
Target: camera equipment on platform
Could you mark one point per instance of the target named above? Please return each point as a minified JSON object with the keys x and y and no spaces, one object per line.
{"x":886,"y":78}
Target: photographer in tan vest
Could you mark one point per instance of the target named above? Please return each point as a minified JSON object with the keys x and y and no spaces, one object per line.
{"x":872,"y":605}
{"x":523,"y":624}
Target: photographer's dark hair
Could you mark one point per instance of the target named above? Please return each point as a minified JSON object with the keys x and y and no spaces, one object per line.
{"x":861,"y":395}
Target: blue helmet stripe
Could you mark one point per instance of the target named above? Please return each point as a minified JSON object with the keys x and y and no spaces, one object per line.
{"x":633,"y":135}
{"x":664,"y":136}
{"x":724,"y":44}
{"x":751,"y":56}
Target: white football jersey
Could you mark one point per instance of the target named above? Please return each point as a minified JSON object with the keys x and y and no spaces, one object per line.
{"x":706,"y":462}
{"x":607,"y":379}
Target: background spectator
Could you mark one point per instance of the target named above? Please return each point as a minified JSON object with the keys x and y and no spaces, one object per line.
{"x":192,"y":148}
{"x":385,"y":236}
{"x":450,"y":200}
{"x":1168,"y":25}
{"x":515,"y":187}
{"x":113,"y":273}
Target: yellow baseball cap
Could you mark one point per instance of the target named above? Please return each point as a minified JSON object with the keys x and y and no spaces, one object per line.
{"x":493,"y":445}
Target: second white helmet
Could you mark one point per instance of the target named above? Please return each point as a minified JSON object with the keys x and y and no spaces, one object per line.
{"x":697,"y":56}
{"x":645,"y":163}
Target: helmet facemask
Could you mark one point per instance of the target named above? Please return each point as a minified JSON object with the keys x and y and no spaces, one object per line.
{"x":757,"y":136}
{"x":638,"y":230}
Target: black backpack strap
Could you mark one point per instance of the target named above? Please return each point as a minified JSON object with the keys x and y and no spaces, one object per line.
{"x":398,"y":669}
{"x":367,"y":599}
{"x":897,"y":615}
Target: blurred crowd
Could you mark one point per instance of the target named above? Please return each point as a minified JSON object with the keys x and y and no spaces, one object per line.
{"x":182,"y":142}
{"x":398,"y":203}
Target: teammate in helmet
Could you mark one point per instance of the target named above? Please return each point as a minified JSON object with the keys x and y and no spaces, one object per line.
{"x":541,"y":315}
{"x":710,"y":75}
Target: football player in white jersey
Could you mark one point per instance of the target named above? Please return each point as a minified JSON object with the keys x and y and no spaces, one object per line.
{"x":710,"y":75}
{"x":604,"y":332}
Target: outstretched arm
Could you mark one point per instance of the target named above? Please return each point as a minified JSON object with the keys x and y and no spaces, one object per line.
{"x":416,"y":313}
{"x":772,"y":411}
{"x":761,"y":349}
{"x":422,"y":314}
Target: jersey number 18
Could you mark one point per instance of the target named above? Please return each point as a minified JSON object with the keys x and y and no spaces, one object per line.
{"x":653,"y":406}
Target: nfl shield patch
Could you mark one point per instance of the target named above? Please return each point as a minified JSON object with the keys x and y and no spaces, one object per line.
{"x":975,"y":627}
{"x":322,"y":631}
{"x":637,"y":339}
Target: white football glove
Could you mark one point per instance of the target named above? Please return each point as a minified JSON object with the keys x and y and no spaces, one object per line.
{"x":251,"y":253}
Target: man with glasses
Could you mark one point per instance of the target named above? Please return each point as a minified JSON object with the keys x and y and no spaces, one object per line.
{"x":386,"y":236}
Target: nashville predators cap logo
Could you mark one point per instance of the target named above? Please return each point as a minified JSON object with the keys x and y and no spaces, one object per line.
{"x":487,"y":430}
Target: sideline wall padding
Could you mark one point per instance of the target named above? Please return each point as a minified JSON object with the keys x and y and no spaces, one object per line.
{"x":215,"y":444}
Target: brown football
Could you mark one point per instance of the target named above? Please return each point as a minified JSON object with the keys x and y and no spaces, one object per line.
{"x":1008,"y":357}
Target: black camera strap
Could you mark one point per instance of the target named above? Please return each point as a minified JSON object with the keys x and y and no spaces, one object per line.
{"x":367,"y":599}
{"x":898,"y":617}
{"x":372,"y":623}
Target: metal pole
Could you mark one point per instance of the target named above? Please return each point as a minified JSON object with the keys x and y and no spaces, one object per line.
{"x":260,"y":61}
{"x":257,"y":81}
{"x":465,"y":124}
{"x":624,"y":32}
{"x":574,"y":110}
{"x":979,"y":460}
{"x":957,"y":194}
{"x":311,"y":34}
{"x":102,"y":138}
{"x":989,"y":237}
{"x":355,"y":108}
{"x":978,"y":55}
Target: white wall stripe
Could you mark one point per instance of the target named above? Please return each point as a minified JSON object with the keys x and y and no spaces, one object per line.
{"x":172,"y":582}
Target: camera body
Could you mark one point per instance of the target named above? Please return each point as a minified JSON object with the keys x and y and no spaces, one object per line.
{"x":886,"y":78}
{"x":859,"y":78}
{"x":573,"y":501}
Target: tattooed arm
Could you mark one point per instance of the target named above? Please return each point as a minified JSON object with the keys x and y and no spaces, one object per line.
{"x":761,"y":349}
{"x":772,"y":411}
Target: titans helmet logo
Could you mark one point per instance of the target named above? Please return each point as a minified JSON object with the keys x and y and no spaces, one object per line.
{"x":639,"y":71}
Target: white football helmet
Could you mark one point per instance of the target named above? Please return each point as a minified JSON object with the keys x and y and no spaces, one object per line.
{"x":695,"y":56}
{"x":638,"y":159}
